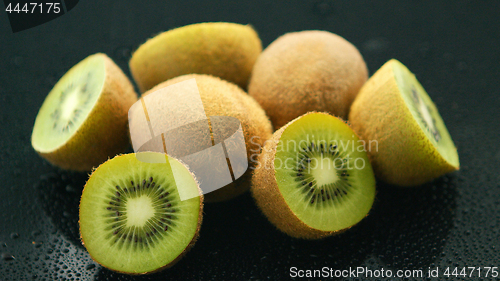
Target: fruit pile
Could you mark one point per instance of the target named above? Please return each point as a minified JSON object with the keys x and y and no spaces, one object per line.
{"x":312,"y":178}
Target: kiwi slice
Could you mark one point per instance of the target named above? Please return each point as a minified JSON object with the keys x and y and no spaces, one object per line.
{"x":307,"y":71}
{"x":219,"y":98}
{"x":131,"y":217}
{"x":226,"y":50}
{"x":410,"y":144}
{"x":314,"y":177}
{"x":83,"y":120}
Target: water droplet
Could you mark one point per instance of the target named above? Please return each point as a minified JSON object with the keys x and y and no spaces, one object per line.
{"x":70,"y":188}
{"x":376,"y":45}
{"x":17,"y":60}
{"x":14,"y":235}
{"x":448,"y":57}
{"x":7,"y":257}
{"x":123,"y":53}
{"x":47,"y":176}
{"x":324,"y":8}
{"x":90,"y":266}
{"x":462,"y":66}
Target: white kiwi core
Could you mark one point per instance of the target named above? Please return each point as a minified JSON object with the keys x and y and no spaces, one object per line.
{"x":139,"y":210}
{"x":323,"y":170}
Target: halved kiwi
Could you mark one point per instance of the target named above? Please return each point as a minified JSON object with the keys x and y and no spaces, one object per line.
{"x":226,"y":50}
{"x":83,"y":120}
{"x":306,"y":71}
{"x":409,"y":142}
{"x":314,"y":177}
{"x":131,"y":217}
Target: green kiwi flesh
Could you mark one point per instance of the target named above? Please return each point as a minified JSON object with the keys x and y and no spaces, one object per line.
{"x":131,"y":217}
{"x":425,"y":112}
{"x":324,"y":188}
{"x":83,"y":120}
{"x":68,"y":104}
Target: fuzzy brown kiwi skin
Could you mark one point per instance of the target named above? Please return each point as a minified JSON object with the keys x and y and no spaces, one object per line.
{"x":105,"y":132}
{"x":268,"y":198}
{"x":226,"y":50}
{"x":399,"y":138}
{"x":307,"y":71}
{"x":236,"y":103}
{"x":230,"y":191}
{"x":243,"y":184}
{"x":181,"y":255}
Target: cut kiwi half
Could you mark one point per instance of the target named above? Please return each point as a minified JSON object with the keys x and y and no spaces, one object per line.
{"x":223,"y":49}
{"x":410,"y":144}
{"x":83,"y":120}
{"x":131,"y":217}
{"x":314,"y":178}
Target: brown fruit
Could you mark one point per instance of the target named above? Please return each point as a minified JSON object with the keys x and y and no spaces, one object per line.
{"x":219,"y":98}
{"x":307,"y":71}
{"x":226,"y":50}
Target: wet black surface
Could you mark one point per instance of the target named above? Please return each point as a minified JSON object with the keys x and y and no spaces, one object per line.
{"x":452,"y":47}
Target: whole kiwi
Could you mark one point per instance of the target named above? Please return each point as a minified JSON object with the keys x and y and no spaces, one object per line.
{"x":226,"y":50}
{"x":219,"y":98}
{"x":307,"y":71}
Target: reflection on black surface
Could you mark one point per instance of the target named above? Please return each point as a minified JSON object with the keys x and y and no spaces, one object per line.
{"x":406,"y":229}
{"x":59,"y":195}
{"x":411,"y":224}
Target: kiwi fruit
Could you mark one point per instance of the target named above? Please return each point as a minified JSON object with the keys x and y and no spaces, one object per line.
{"x":314,"y":178}
{"x":307,"y":71}
{"x":219,"y":98}
{"x":83,"y":120}
{"x":226,"y":50}
{"x":410,"y":144}
{"x":132,"y":219}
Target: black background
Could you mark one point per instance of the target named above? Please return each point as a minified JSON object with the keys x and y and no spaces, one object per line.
{"x":452,"y":47}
